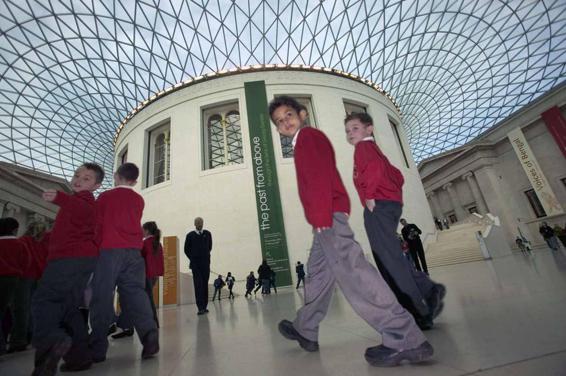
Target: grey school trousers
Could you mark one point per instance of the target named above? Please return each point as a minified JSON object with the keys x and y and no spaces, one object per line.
{"x":55,"y":306}
{"x":408,"y":284}
{"x":124,"y":268}
{"x":336,"y":258}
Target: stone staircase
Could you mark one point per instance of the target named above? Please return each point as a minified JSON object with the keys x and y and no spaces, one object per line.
{"x":455,"y":246}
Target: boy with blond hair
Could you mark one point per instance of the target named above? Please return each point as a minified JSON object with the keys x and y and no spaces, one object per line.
{"x":58,"y":326}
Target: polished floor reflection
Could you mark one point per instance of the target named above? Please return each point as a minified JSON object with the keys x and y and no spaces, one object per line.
{"x":502,"y":317}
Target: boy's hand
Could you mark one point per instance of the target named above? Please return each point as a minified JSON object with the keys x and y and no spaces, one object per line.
{"x":49,"y":195}
{"x":320,"y":229}
{"x":370,"y":204}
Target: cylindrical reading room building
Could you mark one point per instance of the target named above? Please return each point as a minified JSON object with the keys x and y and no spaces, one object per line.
{"x":207,"y":148}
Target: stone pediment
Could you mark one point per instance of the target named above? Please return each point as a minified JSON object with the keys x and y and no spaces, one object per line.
{"x":31,"y":180}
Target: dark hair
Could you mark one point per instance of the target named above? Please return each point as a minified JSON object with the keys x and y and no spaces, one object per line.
{"x":8,"y":226}
{"x":98,"y":171}
{"x":151,"y":228}
{"x":36,"y":230}
{"x":128,"y":171}
{"x":284,"y":100}
{"x":363,"y":117}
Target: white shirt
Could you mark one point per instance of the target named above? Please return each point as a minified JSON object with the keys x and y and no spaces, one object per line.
{"x":295,"y":138}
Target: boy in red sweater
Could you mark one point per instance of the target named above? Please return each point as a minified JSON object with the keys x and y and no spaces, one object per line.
{"x":335,"y":257}
{"x":58,"y":327}
{"x":379,"y":185}
{"x":119,"y":213}
{"x":14,"y":261}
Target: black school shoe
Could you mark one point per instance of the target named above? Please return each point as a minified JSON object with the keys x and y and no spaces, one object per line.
{"x":76,"y":366}
{"x":112,"y":329}
{"x":288,"y":331}
{"x":47,"y":361}
{"x":17,"y":348}
{"x":435,"y":300}
{"x":424,"y":323}
{"x":124,"y":333}
{"x":150,"y":344}
{"x":382,"y":356}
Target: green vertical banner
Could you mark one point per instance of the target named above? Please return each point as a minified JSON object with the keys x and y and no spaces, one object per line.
{"x":268,"y":200}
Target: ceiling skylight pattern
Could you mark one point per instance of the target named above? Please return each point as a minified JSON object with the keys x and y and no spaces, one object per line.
{"x":71,"y":71}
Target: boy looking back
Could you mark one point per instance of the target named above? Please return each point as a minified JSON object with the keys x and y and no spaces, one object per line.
{"x":335,"y":256}
{"x":380,"y":188}
{"x":121,"y":264}
{"x":71,"y":260}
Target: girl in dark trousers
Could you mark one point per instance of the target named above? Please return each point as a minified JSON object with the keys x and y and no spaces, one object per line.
{"x":250,"y":283}
{"x":273,"y":280}
{"x":37,"y":248}
{"x":218,"y":284}
{"x":264,"y":272}
{"x":152,"y":253}
{"x":14,"y":260}
{"x":230,"y":283}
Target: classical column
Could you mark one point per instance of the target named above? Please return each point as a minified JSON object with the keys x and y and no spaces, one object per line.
{"x":472,"y":183}
{"x":433,"y":202}
{"x":460,"y":212}
{"x":11,"y":210}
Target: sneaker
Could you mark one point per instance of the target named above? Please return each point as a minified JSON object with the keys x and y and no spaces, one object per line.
{"x":382,"y":356}
{"x":288,"y":331}
{"x":46,"y":363}
{"x":150,"y":344}
{"x":435,"y":303}
{"x":124,"y":333}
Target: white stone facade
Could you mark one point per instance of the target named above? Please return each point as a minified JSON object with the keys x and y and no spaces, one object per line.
{"x":486,"y":175}
{"x":20,"y":194}
{"x":224,"y":196}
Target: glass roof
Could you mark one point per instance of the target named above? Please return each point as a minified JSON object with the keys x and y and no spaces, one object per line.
{"x":71,"y":71}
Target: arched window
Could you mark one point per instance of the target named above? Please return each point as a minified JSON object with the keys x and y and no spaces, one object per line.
{"x":223,"y":135}
{"x":159,"y":157}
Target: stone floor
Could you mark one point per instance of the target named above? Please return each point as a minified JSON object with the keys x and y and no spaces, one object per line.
{"x":502,"y":317}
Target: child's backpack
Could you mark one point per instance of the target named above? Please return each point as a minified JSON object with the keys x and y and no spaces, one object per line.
{"x":218,"y":283}
{"x":230,"y":282}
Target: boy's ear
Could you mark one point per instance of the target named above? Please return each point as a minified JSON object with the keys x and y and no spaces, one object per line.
{"x":96,"y":186}
{"x":303,"y":115}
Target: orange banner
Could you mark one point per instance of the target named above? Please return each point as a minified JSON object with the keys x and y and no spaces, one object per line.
{"x":171,"y":277}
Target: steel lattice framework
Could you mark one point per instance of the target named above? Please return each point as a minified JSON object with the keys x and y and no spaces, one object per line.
{"x":71,"y":71}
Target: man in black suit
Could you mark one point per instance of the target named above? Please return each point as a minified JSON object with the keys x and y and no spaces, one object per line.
{"x":411,"y":234}
{"x":198,"y":245}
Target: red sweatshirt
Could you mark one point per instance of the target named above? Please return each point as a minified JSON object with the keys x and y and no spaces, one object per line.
{"x":120,"y":211}
{"x":153,"y":260}
{"x":374,"y":177}
{"x":14,"y":257}
{"x":73,"y":233}
{"x":321,"y":190}
{"x":38,"y":252}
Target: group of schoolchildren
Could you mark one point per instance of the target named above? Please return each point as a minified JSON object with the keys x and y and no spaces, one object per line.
{"x":97,"y":245}
{"x":104,"y":237}
{"x":219,"y":283}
